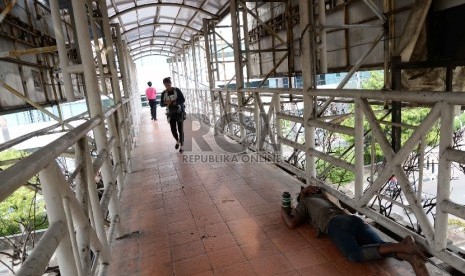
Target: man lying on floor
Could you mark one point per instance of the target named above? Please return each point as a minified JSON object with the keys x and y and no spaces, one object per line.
{"x":351,"y":235}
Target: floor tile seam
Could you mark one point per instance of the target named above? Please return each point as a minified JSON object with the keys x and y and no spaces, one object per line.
{"x":267,"y":257}
{"x":288,"y":259}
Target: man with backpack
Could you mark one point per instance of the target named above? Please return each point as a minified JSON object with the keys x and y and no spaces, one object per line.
{"x":174,"y":100}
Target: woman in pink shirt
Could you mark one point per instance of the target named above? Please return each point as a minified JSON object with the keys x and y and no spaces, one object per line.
{"x":151,"y":94}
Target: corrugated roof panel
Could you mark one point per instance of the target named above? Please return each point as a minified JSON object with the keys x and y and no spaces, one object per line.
{"x":186,"y":17}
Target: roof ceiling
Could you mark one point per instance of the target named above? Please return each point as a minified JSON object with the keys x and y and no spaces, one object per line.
{"x":162,"y":27}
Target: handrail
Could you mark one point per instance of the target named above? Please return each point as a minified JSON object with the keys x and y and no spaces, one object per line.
{"x":19,"y":173}
{"x":42,"y":131}
{"x":12,"y":178}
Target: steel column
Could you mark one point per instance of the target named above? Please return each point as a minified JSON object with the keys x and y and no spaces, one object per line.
{"x":82,"y":195}
{"x":110,"y":53}
{"x":323,"y":68}
{"x":93,"y":97}
{"x":236,"y":35}
{"x":308,"y":74}
{"x":62,"y":51}
{"x":211,"y":77}
{"x":123,"y":115}
{"x":443,"y":187}
{"x":51,"y":178}
{"x":359,"y":150}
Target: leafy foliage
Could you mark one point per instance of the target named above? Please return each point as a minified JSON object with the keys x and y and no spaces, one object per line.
{"x":25,"y":208}
{"x":375,"y":82}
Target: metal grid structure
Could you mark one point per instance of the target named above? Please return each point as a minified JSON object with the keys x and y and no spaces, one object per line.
{"x":224,"y":55}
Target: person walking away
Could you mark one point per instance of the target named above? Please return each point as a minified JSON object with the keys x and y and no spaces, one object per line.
{"x":151,"y":94}
{"x":174,"y":100}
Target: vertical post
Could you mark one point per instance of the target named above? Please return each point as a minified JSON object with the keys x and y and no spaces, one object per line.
{"x":236,"y":34}
{"x":396,"y":116}
{"x":215,"y":54}
{"x":51,"y":177}
{"x":308,"y":75}
{"x":124,"y":115}
{"x":258,"y":126}
{"x":121,"y":60}
{"x":96,"y":209}
{"x":444,"y":173}
{"x":421,"y":167}
{"x":98,"y":52}
{"x":184,"y":63}
{"x":359,"y":151}
{"x":176,"y":56}
{"x":108,"y":41}
{"x":211,"y":78}
{"x":389,"y":35}
{"x":277,"y":110}
{"x":228,"y":112}
{"x":82,"y":196}
{"x":69,"y":221}
{"x":246,"y":45}
{"x":93,"y":97}
{"x":322,"y":21}
{"x":196,"y":80}
{"x":444,"y":168}
{"x":62,"y":51}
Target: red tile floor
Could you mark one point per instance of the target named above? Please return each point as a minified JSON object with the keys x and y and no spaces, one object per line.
{"x":216,"y":219}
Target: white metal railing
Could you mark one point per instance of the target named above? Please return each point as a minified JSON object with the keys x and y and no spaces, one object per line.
{"x":76,"y":218}
{"x":266,"y":119}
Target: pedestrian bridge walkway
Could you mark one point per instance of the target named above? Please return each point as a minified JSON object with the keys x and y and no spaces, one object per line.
{"x":216,"y":218}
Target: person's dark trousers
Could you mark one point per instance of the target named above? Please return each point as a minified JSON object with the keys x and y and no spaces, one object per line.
{"x":153,"y":109}
{"x":177,"y":126}
{"x":355,"y":238}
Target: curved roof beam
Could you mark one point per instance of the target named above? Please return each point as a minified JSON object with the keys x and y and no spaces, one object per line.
{"x":163,"y":5}
{"x":160,"y":24}
{"x":155,"y":37}
{"x":154,"y":52}
{"x":155,"y":46}
{"x":148,"y":55}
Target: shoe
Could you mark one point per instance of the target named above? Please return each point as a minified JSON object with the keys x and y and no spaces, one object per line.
{"x":155,"y":119}
{"x":177,"y":146}
{"x":181,"y":150}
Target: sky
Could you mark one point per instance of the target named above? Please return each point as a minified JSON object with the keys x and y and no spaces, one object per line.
{"x":154,"y":69}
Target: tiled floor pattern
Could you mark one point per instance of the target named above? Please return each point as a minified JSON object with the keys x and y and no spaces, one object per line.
{"x":217,"y":219}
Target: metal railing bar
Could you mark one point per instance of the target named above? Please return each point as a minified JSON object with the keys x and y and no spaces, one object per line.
{"x":426,"y":97}
{"x":18,"y":174}
{"x":39,"y":132}
{"x":333,"y":160}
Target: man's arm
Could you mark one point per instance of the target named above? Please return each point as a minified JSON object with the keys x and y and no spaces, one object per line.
{"x":180,"y":100}
{"x":162,"y":97}
{"x":291,"y":221}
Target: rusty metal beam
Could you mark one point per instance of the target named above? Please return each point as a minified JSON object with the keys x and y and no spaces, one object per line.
{"x":17,"y":53}
{"x":7,"y":9}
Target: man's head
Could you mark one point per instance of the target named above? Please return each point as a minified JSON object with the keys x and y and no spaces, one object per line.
{"x":167,"y":83}
{"x":149,"y":84}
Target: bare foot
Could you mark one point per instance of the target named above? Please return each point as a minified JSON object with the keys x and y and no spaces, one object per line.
{"x":408,"y":245}
{"x":417,"y":262}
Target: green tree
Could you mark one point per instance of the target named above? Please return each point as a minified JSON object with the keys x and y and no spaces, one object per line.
{"x":375,"y":82}
{"x":24,"y":208}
